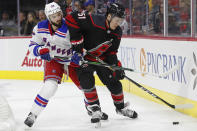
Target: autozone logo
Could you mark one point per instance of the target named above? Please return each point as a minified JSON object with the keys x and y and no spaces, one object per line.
{"x":31,"y":62}
{"x":158,"y":63}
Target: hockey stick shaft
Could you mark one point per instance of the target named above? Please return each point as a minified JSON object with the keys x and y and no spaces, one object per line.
{"x":149,"y":92}
{"x":181,"y":106}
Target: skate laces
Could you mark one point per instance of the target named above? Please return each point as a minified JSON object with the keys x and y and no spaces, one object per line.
{"x":97,"y":114}
{"x":93,"y":108}
{"x":96,"y":111}
{"x":126,"y":111}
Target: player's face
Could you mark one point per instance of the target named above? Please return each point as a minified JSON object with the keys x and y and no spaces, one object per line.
{"x":115,"y":22}
{"x":56,"y":19}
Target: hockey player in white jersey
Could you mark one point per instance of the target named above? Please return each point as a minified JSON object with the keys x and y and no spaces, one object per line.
{"x":50,"y":38}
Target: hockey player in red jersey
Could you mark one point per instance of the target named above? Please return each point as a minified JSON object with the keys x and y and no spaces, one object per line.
{"x":100,"y":36}
{"x":51,"y":38}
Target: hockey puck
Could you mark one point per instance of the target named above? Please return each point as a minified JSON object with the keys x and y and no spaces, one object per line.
{"x":175,"y":122}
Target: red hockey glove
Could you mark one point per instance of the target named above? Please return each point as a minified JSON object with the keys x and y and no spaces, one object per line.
{"x":42,"y":51}
{"x":44,"y":54}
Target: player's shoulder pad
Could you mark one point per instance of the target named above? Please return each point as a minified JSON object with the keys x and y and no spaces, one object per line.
{"x":63,"y":29}
{"x":35,"y":29}
{"x":43,"y":24}
{"x":98,"y":19}
{"x":76,"y":18}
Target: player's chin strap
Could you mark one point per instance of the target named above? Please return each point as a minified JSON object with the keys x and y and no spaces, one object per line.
{"x":101,"y":62}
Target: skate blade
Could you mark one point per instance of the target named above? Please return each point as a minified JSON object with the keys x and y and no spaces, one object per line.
{"x":97,"y":124}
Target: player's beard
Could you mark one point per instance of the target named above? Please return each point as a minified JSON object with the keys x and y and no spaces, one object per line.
{"x":57,"y":25}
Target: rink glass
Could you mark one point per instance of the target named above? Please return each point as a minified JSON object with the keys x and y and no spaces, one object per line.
{"x":168,"y":18}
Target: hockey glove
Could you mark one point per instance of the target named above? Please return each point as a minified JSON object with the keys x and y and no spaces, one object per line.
{"x":76,"y":59}
{"x":43,"y":52}
{"x":119,"y":74}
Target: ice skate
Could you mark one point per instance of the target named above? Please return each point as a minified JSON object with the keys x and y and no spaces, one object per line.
{"x":127,"y":112}
{"x":104,"y":116}
{"x":96,"y":114}
{"x":30,"y":119}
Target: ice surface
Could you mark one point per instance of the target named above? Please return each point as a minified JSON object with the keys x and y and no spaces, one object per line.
{"x":66,"y":111}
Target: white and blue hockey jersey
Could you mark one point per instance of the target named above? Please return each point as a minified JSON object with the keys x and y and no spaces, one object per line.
{"x":58,"y":42}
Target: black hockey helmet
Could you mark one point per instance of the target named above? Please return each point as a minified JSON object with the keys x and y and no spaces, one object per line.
{"x":116,"y":9}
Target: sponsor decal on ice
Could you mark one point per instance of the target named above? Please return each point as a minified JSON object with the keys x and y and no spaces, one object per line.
{"x":32,"y":62}
{"x":159,"y":63}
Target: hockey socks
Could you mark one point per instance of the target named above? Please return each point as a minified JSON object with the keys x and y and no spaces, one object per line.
{"x":118,"y":100}
{"x":38,"y":106}
{"x":91,"y":96}
{"x":40,"y":101}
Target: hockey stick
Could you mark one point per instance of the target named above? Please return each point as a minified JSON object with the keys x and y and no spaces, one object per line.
{"x":182,"y":106}
{"x":132,"y":70}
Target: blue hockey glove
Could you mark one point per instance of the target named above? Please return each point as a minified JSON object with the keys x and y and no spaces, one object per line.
{"x":76,"y":59}
{"x":46,"y":57}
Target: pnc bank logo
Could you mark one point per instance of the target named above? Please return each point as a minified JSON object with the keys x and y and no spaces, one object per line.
{"x":143,"y":65}
{"x":162,"y":62}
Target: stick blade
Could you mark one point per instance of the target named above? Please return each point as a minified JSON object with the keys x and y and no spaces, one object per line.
{"x":184,"y":106}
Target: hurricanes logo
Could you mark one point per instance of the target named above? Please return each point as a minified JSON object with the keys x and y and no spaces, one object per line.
{"x":142,"y":61}
{"x":193,"y":71}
